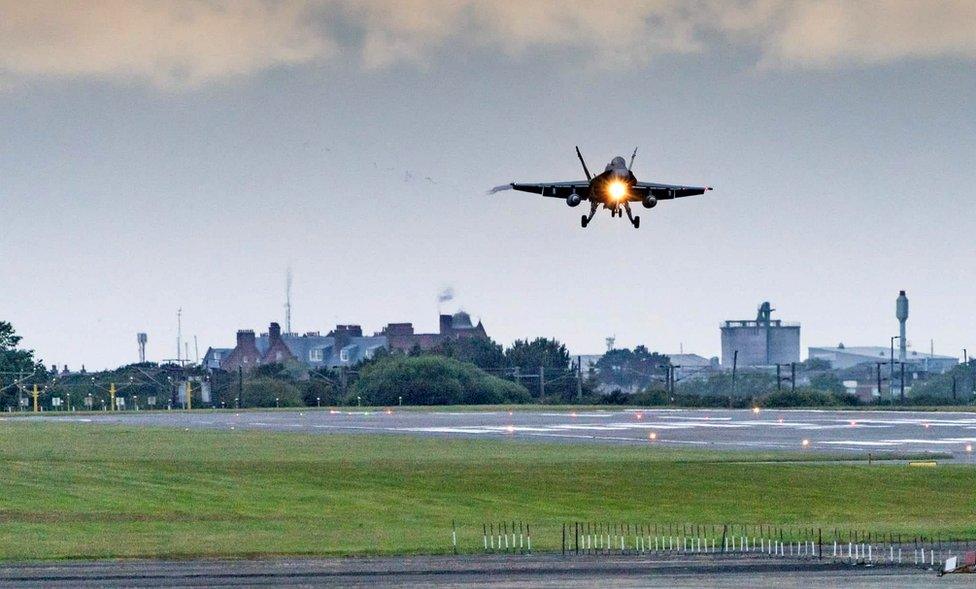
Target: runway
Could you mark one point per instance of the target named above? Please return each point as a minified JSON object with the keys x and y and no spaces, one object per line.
{"x":542,"y":571}
{"x":769,"y":429}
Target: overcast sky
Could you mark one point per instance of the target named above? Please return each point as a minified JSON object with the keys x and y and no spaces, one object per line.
{"x":158,"y":155}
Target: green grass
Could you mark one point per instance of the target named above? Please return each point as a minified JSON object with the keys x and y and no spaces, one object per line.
{"x":74,"y":490}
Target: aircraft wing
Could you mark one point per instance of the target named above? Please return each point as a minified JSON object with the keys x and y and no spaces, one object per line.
{"x":667,"y":191}
{"x":551,"y":189}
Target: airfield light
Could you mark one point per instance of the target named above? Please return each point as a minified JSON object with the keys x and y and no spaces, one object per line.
{"x":926,"y":426}
{"x":969,"y":447}
{"x":652,"y":436}
{"x":853,"y":423}
{"x":573,"y":414}
{"x":639,"y":416}
{"x":510,"y":429}
{"x":806,"y":443}
{"x":755,"y":410}
{"x":617,"y":190}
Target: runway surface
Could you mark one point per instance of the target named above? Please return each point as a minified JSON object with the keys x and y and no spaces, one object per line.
{"x":769,"y":429}
{"x":473,"y":571}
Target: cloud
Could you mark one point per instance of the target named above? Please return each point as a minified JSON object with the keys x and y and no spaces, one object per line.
{"x":185,"y":43}
{"x":833,"y":33}
{"x":170,"y":43}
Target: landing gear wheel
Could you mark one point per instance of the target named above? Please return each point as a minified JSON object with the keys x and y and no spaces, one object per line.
{"x":636,"y":222}
{"x":584,"y":221}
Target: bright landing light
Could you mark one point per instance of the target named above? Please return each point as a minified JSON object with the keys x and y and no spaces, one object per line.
{"x":617,"y":190}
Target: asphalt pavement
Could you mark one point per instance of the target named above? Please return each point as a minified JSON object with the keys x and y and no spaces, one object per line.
{"x":474,"y":571}
{"x":767,"y":429}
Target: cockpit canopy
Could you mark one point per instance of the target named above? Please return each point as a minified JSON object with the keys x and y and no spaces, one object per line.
{"x":617,"y":163}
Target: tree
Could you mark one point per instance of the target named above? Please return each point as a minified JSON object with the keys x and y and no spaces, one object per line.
{"x":11,"y":358}
{"x":268,"y":392}
{"x":552,"y":357}
{"x":827,"y":382}
{"x":20,"y":364}
{"x":481,"y":351}
{"x":528,"y":356}
{"x":631,"y":369}
{"x":432,"y":380}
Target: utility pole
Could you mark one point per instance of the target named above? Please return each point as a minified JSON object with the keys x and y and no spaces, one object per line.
{"x":793,"y":377}
{"x":735,"y":363}
{"x":111,"y":395}
{"x":288,"y":301}
{"x":240,"y":387}
{"x":579,"y":379}
{"x":36,"y":393}
{"x":902,"y":383}
{"x":891,"y":371}
{"x":189,"y":395}
{"x":179,"y":335}
{"x":542,"y":385}
{"x":878,"y":365}
{"x":779,"y":379}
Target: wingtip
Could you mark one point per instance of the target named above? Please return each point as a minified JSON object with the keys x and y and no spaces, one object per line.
{"x":500,"y":188}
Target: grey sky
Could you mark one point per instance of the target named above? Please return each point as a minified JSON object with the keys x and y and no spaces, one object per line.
{"x":153,"y":158}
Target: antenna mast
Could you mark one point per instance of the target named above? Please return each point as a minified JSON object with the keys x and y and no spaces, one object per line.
{"x":179,"y":335}
{"x":288,"y":300}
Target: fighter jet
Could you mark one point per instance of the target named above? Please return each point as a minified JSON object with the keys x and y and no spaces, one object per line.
{"x":614,"y":189}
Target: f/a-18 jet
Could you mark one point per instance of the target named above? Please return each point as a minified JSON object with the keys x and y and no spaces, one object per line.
{"x":614,"y":189}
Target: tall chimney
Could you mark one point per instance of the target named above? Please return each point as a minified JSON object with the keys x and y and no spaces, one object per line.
{"x":901,"y":312}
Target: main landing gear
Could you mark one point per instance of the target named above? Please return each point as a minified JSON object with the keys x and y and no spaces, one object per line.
{"x":585,"y":219}
{"x":614,"y":212}
{"x":635,"y":221}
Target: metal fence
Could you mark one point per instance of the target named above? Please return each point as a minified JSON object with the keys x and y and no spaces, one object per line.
{"x":761,"y":541}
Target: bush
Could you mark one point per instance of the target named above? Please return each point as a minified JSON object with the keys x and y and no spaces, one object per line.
{"x":267,"y":392}
{"x":807,"y":398}
{"x":433,"y":380}
{"x":318,"y":392}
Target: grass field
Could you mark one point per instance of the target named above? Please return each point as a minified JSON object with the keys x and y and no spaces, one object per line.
{"x":71,"y":490}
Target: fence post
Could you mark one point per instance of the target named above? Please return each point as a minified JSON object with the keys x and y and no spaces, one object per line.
{"x":819,"y":543}
{"x":454,"y":535}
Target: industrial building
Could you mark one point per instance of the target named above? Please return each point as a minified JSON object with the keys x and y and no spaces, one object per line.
{"x":842,"y":357}
{"x":762,"y":341}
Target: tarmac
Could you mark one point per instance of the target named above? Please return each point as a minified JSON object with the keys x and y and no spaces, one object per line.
{"x":833,"y":431}
{"x":541,"y":571}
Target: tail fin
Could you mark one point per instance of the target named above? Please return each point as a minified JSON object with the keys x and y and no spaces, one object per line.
{"x":580,"y":156}
{"x":634,"y":155}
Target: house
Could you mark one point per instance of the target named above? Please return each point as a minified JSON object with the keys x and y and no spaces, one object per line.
{"x":344,"y":346}
{"x":401,"y":336}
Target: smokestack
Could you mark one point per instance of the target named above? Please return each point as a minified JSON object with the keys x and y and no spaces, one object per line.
{"x":901,"y":312}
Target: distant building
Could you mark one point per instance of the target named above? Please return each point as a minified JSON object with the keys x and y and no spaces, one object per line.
{"x":343,"y":346}
{"x":214,"y":356}
{"x":401,"y":336}
{"x":842,"y":357}
{"x":760,"y":342}
{"x":692,"y":366}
